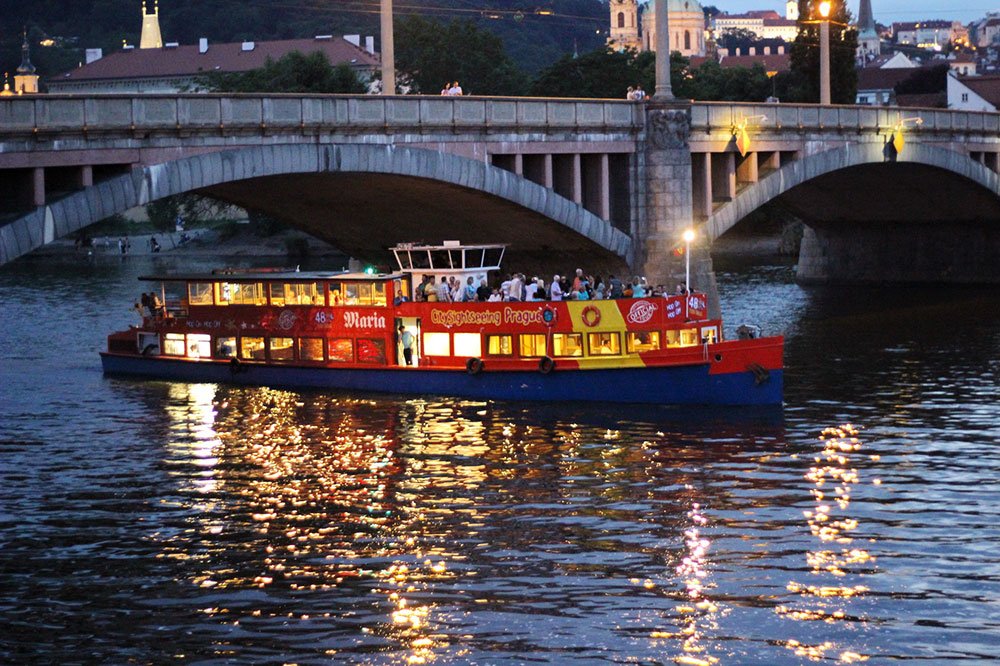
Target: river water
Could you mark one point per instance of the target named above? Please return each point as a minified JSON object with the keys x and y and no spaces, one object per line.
{"x":147,"y":522}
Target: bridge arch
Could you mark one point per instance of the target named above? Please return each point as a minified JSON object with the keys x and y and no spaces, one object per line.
{"x":849,"y":156}
{"x":239,"y":175}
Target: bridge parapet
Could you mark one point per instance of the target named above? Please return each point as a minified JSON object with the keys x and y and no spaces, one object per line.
{"x":54,"y":114}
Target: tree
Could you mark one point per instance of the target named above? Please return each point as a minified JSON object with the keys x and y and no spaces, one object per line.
{"x":804,"y":82}
{"x":292,"y":73}
{"x":430,"y":54}
{"x":737,"y":39}
{"x":604,"y":73}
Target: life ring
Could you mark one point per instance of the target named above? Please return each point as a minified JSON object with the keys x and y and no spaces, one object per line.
{"x":591,"y":316}
{"x":546,"y":365}
{"x":235,"y":366}
{"x":474,"y":366}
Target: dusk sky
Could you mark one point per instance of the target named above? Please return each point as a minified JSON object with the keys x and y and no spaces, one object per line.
{"x":886,"y":11}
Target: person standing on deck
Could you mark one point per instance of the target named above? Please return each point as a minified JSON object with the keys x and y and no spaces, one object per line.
{"x":406,"y":340}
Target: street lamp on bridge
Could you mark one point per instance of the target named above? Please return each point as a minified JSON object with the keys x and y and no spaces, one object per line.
{"x":824,"y":52}
{"x":688,"y":237}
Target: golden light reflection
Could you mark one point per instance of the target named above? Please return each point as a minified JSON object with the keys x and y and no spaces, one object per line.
{"x":834,"y":480}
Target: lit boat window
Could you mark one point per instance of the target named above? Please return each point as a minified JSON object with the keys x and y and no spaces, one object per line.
{"x":710,"y":334}
{"x":281,"y":349}
{"x":468,"y":344}
{"x":532,"y":344}
{"x":311,"y":349}
{"x":252,"y":348}
{"x":567,"y":344}
{"x":604,"y":344}
{"x":437,"y":344}
{"x":296,"y":293}
{"x":240,"y":293}
{"x":336,"y":296}
{"x":225,"y":347}
{"x":500,"y":345}
{"x":643,"y":341}
{"x":200,"y":293}
{"x":351,"y":293}
{"x":371,"y":350}
{"x":341,"y":350}
{"x":199,"y":345}
{"x":173,"y":344}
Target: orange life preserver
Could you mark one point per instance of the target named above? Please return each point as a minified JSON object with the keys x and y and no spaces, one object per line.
{"x":591,"y":316}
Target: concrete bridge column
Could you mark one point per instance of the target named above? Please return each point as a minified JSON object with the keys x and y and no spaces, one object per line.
{"x":669,"y":204}
{"x":597,"y":185}
{"x":746,"y":170}
{"x":85,"y":176}
{"x":34,"y":193}
{"x":724,"y":177}
{"x":701,"y":166}
{"x":566,"y":177}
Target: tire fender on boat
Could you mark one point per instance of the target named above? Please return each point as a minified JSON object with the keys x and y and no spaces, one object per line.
{"x":546,"y":365}
{"x":474,"y":366}
{"x":235,"y":366}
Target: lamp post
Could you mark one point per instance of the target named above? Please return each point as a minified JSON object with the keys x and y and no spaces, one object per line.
{"x":688,"y":237}
{"x":824,"y":52}
{"x":663,"y":92}
{"x":388,"y":56}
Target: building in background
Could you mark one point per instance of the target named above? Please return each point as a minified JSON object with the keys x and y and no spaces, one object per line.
{"x":973,"y":93}
{"x":634,"y":26}
{"x":869,"y":42}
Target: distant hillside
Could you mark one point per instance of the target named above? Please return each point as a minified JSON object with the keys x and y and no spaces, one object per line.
{"x":535,"y":34}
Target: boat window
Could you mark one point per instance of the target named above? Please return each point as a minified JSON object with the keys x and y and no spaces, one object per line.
{"x":281,"y":349}
{"x":378,"y":294}
{"x":455,"y":257}
{"x":311,"y":349}
{"x":468,"y":344}
{"x":350,"y":293}
{"x":336,"y":296}
{"x":149,"y":343}
{"x":709,"y":334}
{"x":299,"y":293}
{"x":437,"y":344}
{"x":605,"y":344}
{"x":403,"y":258}
{"x":371,"y":293}
{"x":200,"y":293}
{"x":567,"y":344}
{"x":682,"y":337}
{"x":532,"y":344}
{"x":342,"y":350}
{"x":441,"y":259}
{"x":173,"y":344}
{"x":371,"y":350}
{"x":225,"y":347}
{"x":642,"y":341}
{"x":199,"y":345}
{"x":501,"y":345}
{"x":240,"y":293}
{"x":252,"y":348}
{"x":493,"y":256}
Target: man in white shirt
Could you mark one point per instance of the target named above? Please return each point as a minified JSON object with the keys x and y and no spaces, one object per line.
{"x":530,"y":289}
{"x":556,"y":293}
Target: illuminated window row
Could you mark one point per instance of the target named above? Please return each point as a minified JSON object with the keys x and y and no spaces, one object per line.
{"x":563,"y":344}
{"x":288,"y":293}
{"x":258,"y":348}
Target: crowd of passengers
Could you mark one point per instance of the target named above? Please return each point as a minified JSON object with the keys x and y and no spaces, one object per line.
{"x":515,"y":287}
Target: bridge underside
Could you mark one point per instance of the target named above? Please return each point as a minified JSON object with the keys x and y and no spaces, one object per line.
{"x":362,"y":214}
{"x":898,"y":222}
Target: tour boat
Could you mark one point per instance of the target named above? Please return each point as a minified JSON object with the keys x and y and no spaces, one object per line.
{"x":346,"y":331}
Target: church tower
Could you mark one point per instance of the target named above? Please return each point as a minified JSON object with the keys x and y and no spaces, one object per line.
{"x":869,"y":44}
{"x":25,"y":79}
{"x":624,"y":25}
{"x":792,"y":10}
{"x":150,"y":38}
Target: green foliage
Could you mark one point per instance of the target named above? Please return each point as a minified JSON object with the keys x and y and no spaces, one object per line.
{"x":924,"y":81}
{"x":430,"y":54}
{"x":804,"y":81}
{"x":712,"y":82}
{"x":264,"y":225}
{"x":292,"y":73}
{"x":163,"y":213}
{"x":604,"y":73}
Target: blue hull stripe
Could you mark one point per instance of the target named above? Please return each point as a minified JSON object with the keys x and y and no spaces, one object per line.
{"x":673,"y":385}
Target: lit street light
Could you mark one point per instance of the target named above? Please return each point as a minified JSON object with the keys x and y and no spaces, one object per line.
{"x":688,"y":237}
{"x":824,"y":52}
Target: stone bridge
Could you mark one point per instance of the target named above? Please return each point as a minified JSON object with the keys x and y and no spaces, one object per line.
{"x":612,"y":183}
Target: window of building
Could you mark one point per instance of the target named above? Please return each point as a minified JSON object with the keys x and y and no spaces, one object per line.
{"x":200,"y":293}
{"x":500,"y":345}
{"x":965,"y":97}
{"x":299,"y":293}
{"x":252,"y":348}
{"x":173,"y":344}
{"x":468,"y":344}
{"x":437,"y":344}
{"x":687,"y":40}
{"x":281,"y":349}
{"x":371,"y":350}
{"x":341,"y":350}
{"x":238,"y":293}
{"x":567,"y":344}
{"x":311,"y":349}
{"x":532,"y":344}
{"x":225,"y":347}
{"x":199,"y":345}
{"x":642,"y":341}
{"x":621,"y":19}
{"x":604,"y":344}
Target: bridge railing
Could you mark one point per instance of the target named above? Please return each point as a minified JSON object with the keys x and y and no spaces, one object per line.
{"x":214,"y":112}
{"x":714,"y":116}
